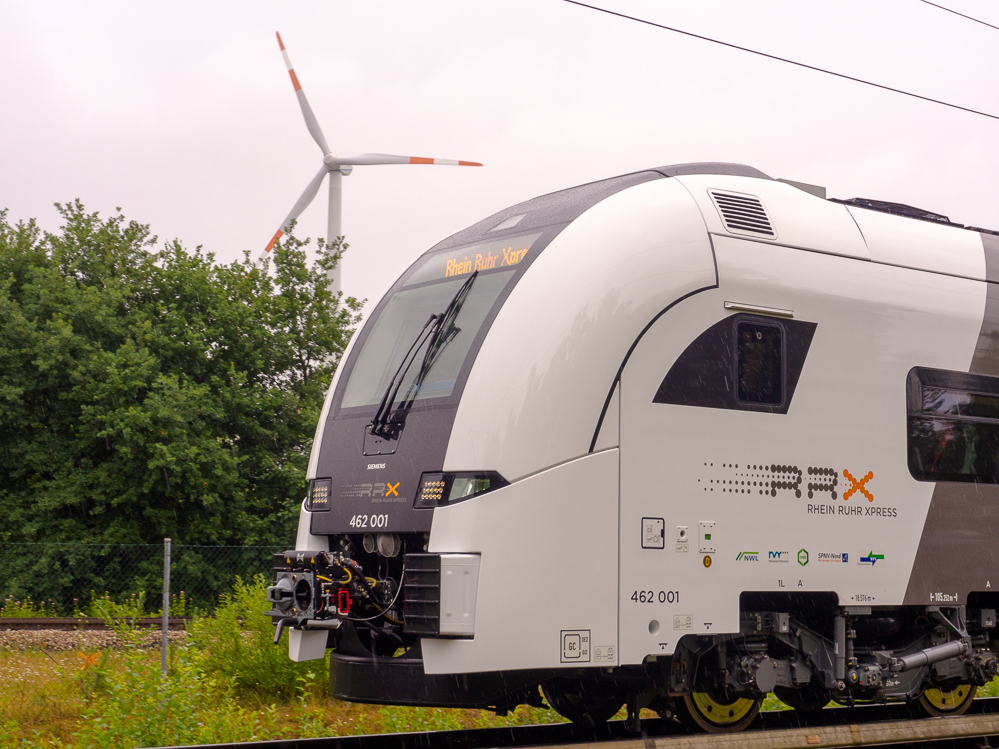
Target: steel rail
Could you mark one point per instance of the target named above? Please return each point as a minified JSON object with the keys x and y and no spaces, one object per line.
{"x":868,"y":725}
{"x":82,"y":622}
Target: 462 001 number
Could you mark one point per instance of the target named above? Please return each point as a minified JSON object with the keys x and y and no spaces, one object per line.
{"x":651,"y":596}
{"x":369,"y":521}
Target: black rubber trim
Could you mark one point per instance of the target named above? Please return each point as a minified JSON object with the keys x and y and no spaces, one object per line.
{"x":617,"y":377}
{"x":402,"y":681}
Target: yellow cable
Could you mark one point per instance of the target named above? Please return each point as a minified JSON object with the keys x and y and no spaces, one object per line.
{"x":394,"y":621}
{"x":324,"y":578}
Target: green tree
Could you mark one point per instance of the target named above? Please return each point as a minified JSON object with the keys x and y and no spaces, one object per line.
{"x":149,"y":392}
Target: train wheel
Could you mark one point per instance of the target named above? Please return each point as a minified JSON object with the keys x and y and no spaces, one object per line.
{"x":591,"y":703}
{"x":940,"y":703}
{"x":721,"y":715}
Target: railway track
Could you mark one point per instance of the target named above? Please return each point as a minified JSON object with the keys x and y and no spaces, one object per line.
{"x":878,"y":725}
{"x":66,"y":623}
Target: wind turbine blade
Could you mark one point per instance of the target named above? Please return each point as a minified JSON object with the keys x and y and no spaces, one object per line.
{"x":301,"y":205}
{"x":310,"y":119}
{"x":372,"y":159}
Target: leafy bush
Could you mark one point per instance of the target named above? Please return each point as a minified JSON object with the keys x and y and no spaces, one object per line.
{"x":236,"y":643}
{"x":147,"y":391}
{"x":117,"y":615}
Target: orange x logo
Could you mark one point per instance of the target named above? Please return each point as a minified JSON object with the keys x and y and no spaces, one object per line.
{"x":390,"y":489}
{"x":856,"y":486}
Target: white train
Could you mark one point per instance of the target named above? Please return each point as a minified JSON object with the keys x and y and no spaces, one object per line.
{"x":676,"y":440}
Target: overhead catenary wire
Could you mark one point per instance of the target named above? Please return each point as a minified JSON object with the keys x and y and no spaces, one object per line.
{"x":963,"y":15}
{"x":781,"y":59}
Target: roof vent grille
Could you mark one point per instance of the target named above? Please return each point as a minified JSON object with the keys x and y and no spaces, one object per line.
{"x":743,"y":214}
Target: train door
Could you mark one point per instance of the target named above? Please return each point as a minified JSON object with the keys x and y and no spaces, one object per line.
{"x":762,"y":436}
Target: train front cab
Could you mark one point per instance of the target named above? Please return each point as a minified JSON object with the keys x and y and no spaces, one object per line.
{"x":673,"y":403}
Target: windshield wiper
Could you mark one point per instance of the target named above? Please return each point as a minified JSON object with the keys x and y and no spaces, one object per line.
{"x":444,"y":332}
{"x":440,"y":330}
{"x":379,"y":421}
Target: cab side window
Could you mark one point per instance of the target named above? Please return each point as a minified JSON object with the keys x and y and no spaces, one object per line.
{"x":759,"y":363}
{"x":741,"y":363}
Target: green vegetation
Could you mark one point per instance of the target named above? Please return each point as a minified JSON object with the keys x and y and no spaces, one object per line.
{"x":27,"y":608}
{"x":228,"y":683}
{"x":99,"y":607}
{"x":146,"y":392}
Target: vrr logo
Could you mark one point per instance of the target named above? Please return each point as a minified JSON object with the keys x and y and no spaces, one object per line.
{"x":856,"y":486}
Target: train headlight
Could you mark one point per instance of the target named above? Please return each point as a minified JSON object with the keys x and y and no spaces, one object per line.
{"x":320,"y":495}
{"x":440,"y":489}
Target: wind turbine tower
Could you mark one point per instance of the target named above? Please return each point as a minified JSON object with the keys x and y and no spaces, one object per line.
{"x":336,"y":167}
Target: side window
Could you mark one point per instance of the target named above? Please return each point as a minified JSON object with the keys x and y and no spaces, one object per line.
{"x":741,"y":363}
{"x":953,"y":425}
{"x":760,"y":363}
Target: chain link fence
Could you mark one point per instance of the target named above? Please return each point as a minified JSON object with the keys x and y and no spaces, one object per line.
{"x":51,"y":668}
{"x":61,"y":579}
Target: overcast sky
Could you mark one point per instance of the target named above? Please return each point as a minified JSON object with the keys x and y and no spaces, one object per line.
{"x":182,"y":113}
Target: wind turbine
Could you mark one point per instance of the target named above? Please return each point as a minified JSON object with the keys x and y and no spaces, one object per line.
{"x":336,"y":168}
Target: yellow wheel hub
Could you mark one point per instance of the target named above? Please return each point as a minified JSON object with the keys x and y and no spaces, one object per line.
{"x":722,"y":713}
{"x":947,"y":701}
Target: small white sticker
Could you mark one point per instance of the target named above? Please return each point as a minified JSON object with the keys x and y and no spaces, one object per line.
{"x":576,"y":646}
{"x":653,"y":533}
{"x":604,"y":653}
{"x":683,"y":621}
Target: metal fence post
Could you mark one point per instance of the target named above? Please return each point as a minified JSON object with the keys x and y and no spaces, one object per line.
{"x":166,"y":605}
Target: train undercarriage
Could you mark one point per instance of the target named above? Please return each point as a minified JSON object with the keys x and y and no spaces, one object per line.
{"x":373,"y":594}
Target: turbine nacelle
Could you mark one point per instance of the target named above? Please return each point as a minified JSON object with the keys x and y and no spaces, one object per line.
{"x":336,"y":168}
{"x":333,"y":165}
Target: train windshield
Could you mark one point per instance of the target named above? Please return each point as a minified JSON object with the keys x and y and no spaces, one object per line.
{"x":428,"y":289}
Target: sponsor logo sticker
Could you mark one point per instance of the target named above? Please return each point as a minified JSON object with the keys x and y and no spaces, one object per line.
{"x":871,"y":559}
{"x":802,"y":557}
{"x":828,"y":556}
{"x":748,"y":556}
{"x":782,"y":557}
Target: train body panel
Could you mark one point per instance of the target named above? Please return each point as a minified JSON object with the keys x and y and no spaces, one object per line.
{"x":687,"y":433}
{"x":527,"y":608}
{"x":848,"y":411}
{"x":920,"y":244}
{"x":584,"y":301}
{"x":797,"y":219}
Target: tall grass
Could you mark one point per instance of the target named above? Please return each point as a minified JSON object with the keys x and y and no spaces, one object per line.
{"x":229,"y":682}
{"x":11,"y":608}
{"x":237,"y":644}
{"x":97,"y":607}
